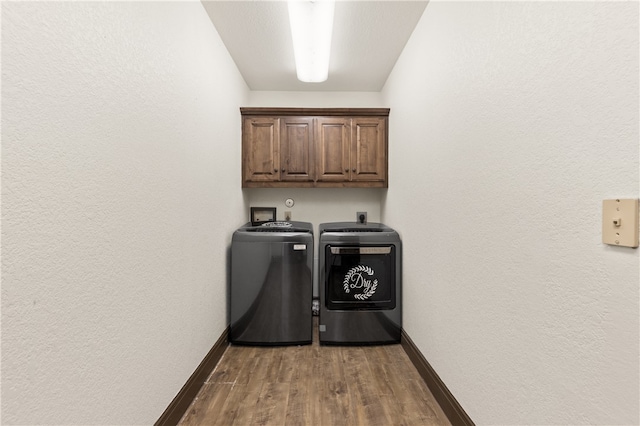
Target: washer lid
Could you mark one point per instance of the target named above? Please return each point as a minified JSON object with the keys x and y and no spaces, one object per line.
{"x":354,"y":227}
{"x":289,"y":227}
{"x":277,"y":224}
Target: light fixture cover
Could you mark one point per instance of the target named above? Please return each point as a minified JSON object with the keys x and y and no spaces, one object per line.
{"x":311,"y":28}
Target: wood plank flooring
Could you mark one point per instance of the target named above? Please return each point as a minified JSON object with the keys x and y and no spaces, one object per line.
{"x":314,"y":385}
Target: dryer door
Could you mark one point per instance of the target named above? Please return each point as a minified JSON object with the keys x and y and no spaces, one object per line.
{"x":360,"y":277}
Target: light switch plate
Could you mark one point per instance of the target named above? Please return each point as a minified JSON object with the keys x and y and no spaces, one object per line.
{"x":620,"y":222}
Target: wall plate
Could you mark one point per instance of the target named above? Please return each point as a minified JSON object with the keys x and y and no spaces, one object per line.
{"x":620,"y":222}
{"x":361,"y":217}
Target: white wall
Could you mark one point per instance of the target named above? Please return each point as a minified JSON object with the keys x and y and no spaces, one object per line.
{"x":317,"y":205}
{"x":316,"y":99}
{"x":510,"y":123}
{"x":120,"y":132}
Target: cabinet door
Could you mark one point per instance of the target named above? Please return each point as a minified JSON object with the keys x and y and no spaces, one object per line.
{"x":296,"y":147}
{"x":368,"y":149}
{"x":261,"y":150}
{"x":333,"y":148}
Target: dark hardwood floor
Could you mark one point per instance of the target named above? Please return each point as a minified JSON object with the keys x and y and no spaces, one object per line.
{"x":315,"y":385}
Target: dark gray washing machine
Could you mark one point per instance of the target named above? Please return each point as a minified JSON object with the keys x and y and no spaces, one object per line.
{"x":360,"y":283}
{"x":272,"y":284}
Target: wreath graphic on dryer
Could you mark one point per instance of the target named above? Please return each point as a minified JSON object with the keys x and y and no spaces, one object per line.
{"x":360,"y":277}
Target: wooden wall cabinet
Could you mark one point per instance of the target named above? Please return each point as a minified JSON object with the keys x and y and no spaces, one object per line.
{"x":314,"y":147}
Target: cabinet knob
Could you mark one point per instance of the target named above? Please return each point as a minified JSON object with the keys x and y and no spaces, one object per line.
{"x":346,"y":170}
{"x":282,"y":170}
{"x":275,"y":170}
{"x":353,"y":170}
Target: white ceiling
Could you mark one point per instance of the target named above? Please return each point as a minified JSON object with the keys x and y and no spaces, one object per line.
{"x":368,"y":37}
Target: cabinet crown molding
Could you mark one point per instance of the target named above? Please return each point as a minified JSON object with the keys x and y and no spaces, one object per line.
{"x":357,"y":112}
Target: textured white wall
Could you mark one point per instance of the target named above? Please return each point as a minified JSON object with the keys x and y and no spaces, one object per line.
{"x":510,"y":122}
{"x":120,"y":142}
{"x":259,"y":98}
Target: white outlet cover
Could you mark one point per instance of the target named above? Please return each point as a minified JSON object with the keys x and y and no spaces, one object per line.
{"x":620,"y":222}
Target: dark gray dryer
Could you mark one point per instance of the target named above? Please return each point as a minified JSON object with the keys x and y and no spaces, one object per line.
{"x":360,"y":282}
{"x":271,"y":284}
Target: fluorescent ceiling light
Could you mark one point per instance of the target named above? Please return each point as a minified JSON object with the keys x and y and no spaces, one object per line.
{"x":311,"y":28}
